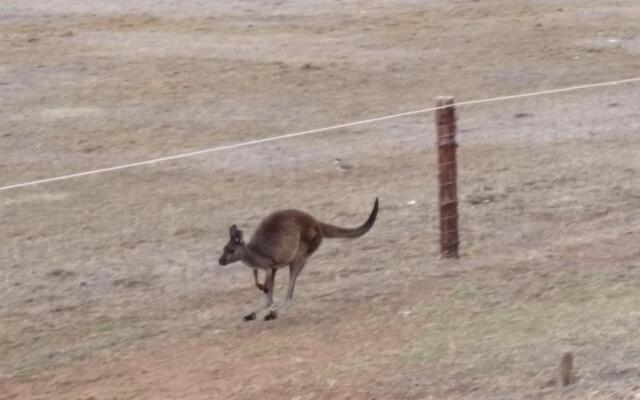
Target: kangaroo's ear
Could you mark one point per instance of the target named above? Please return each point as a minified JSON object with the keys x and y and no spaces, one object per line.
{"x":235,"y":234}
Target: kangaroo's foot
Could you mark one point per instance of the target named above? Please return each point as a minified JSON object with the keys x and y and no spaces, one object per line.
{"x":249,"y":317}
{"x":272,"y":315}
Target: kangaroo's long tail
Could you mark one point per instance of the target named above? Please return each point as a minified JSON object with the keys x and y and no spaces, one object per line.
{"x":332,"y":231}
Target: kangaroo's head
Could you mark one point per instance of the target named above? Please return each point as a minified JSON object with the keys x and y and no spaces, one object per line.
{"x":234,"y":249}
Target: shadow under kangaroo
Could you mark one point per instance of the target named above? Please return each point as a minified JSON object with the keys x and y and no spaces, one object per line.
{"x":287,"y":237}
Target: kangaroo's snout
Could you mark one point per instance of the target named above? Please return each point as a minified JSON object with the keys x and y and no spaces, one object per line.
{"x":222,"y":261}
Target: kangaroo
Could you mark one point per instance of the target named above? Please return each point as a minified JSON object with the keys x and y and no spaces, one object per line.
{"x":287,"y":237}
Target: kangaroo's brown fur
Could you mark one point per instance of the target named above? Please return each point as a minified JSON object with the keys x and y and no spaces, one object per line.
{"x":287,"y":237}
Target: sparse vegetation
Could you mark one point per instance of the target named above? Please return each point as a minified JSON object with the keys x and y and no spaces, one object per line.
{"x":109,"y":285}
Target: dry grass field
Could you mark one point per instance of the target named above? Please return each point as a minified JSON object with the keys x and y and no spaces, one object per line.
{"x":109,"y":284}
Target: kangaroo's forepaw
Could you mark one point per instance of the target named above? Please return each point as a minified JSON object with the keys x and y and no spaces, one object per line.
{"x":262,"y":288}
{"x":249,"y":317}
{"x":272,"y":315}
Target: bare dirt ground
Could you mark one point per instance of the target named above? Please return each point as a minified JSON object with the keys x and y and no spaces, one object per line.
{"x":109,"y":285}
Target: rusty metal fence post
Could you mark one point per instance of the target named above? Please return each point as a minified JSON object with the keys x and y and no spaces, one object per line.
{"x":447,"y":177}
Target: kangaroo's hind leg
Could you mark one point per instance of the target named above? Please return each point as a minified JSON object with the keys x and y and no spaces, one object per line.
{"x":294,"y":270}
{"x":298,"y":264}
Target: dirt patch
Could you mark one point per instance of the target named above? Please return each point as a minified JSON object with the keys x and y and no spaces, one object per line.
{"x":110,"y":284}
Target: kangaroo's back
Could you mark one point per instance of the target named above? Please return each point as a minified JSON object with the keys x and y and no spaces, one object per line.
{"x":289,"y":234}
{"x":281,"y":234}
